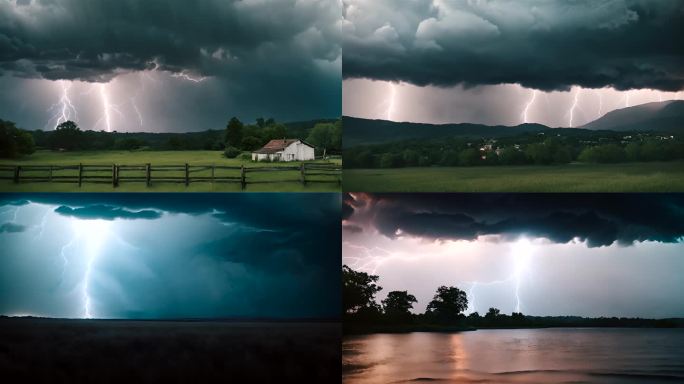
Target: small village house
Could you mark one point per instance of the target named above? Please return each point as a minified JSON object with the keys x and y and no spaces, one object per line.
{"x":284,"y":150}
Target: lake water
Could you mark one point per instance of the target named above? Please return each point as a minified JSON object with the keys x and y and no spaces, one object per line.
{"x":557,"y":355}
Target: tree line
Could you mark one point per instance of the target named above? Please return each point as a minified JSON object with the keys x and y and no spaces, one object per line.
{"x":445,"y":311}
{"x":325,"y":135}
{"x":526,"y":149}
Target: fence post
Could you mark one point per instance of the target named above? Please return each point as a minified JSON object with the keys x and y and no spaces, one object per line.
{"x":212,"y":173}
{"x":148,"y":172}
{"x":302,"y":176}
{"x":80,"y":173}
{"x":243,"y":181}
{"x":17,"y":170}
{"x":50,"y":177}
{"x":113,"y":175}
{"x":187,"y":175}
{"x":116,"y":175}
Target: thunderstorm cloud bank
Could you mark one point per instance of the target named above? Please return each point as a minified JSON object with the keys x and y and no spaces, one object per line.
{"x":546,"y":45}
{"x":597,"y":219}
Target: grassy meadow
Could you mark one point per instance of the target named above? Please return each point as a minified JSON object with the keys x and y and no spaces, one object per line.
{"x":267,"y":180}
{"x":575,"y":177}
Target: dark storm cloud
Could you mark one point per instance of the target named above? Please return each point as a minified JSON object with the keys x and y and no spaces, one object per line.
{"x":548,"y":45}
{"x":106,"y":212}
{"x":277,"y":212}
{"x":97,"y":39}
{"x":12,"y":228}
{"x":598,"y":219}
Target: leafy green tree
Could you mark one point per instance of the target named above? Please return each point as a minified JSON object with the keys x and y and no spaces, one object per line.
{"x":234,"y":132}
{"x":358,"y":290}
{"x":448,"y":303}
{"x":14,"y":142}
{"x":322,"y":136}
{"x":398,"y":305}
{"x":607,"y":153}
{"x":251,"y":143}
{"x":410,"y":157}
{"x":633,"y":151}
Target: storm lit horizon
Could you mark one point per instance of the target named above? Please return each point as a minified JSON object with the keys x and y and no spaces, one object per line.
{"x":167,"y":66}
{"x":561,"y":64}
{"x":541,"y":255}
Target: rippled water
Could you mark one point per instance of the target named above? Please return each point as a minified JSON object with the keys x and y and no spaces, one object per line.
{"x":558,"y":355}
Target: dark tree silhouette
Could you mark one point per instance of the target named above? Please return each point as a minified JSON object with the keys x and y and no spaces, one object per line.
{"x":14,"y":142}
{"x":448,"y":303}
{"x":67,"y":136}
{"x":492,"y":314}
{"x":358,"y":291}
{"x":234,"y":133}
{"x":397,"y":305}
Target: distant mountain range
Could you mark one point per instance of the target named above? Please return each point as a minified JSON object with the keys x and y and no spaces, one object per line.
{"x":666,"y":116}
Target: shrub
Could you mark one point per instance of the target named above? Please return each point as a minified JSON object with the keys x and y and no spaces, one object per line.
{"x":231,"y":152}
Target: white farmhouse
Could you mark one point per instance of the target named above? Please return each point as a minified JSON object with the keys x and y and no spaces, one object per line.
{"x":284,"y":150}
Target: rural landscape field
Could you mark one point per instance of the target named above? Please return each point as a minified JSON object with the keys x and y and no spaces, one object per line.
{"x":272,"y":176}
{"x":627,"y":177}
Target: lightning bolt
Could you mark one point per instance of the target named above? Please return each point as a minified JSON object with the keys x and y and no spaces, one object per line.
{"x":64,"y":109}
{"x":528,"y":105}
{"x":627,"y":99}
{"x":372,"y":259}
{"x":187,"y":76}
{"x":573,"y":107}
{"x":600,"y":103}
{"x":107,"y":108}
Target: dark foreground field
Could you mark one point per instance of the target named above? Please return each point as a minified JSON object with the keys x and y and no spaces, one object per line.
{"x":107,"y":351}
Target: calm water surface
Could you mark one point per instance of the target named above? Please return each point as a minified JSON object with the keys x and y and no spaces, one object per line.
{"x":559,"y":355}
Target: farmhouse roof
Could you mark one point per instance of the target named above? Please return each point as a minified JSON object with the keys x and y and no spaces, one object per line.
{"x":278,"y":145}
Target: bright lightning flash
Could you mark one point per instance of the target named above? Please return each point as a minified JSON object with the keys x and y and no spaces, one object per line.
{"x":574,"y":107}
{"x":91,"y":235}
{"x":521,"y":252}
{"x":64,"y":109}
{"x":391,"y":100}
{"x":528,"y":105}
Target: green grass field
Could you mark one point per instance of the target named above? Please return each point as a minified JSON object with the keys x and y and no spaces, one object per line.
{"x":628,"y":177}
{"x":161,"y":158}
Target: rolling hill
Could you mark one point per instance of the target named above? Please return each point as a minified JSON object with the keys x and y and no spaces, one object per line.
{"x":666,"y":116}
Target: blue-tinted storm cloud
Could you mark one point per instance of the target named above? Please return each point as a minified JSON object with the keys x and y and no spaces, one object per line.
{"x":168,"y":65}
{"x":170,"y":255}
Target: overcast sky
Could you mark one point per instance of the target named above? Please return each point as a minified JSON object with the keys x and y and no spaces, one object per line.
{"x":160,"y":65}
{"x":443,"y":61}
{"x":542,"y":254}
{"x":170,"y":255}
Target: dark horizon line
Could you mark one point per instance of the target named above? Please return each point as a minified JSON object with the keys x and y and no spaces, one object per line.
{"x":182,"y":133}
{"x":190,"y":319}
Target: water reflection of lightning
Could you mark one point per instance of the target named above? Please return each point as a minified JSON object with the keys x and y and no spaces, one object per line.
{"x":64,"y":108}
{"x":528,"y":105}
{"x":91,"y":234}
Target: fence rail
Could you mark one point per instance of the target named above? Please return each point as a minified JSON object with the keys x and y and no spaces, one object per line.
{"x":115,"y":174}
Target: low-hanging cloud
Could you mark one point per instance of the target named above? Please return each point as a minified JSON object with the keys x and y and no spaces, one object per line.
{"x":598,"y":219}
{"x":547,"y":45}
{"x":12,"y":228}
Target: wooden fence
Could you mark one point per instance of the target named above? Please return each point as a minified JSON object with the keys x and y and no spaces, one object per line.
{"x":115,"y":174}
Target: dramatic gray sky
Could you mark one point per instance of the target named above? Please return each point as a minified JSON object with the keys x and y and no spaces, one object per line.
{"x":170,"y":255}
{"x":562,"y":254}
{"x":443,"y":61}
{"x":160,"y":65}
